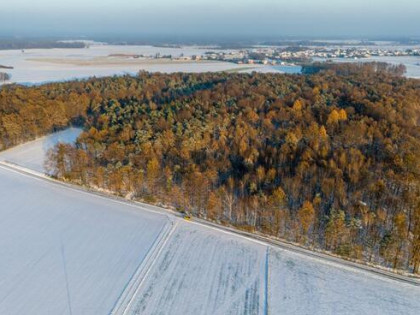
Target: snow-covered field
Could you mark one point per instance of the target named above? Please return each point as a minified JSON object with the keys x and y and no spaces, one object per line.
{"x":203,"y":271}
{"x":34,"y":66}
{"x":32,"y":154}
{"x":46,"y":65}
{"x":302,"y":285}
{"x":64,"y":251}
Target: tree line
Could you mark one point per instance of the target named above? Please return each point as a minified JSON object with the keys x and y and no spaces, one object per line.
{"x":354,"y":68}
{"x":14,"y":43}
{"x":328,"y":160}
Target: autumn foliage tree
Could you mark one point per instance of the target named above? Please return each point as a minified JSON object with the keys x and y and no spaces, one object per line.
{"x":329,"y":159}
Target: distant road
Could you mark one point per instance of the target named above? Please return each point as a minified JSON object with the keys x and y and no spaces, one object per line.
{"x":250,"y":236}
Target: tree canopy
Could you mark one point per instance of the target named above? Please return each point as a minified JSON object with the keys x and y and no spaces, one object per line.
{"x":330,"y":160}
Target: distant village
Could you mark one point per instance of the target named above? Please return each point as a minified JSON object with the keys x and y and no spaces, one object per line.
{"x":293,"y":55}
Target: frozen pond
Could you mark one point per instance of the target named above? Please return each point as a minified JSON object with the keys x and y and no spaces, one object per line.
{"x":289,"y":69}
{"x":32,"y":154}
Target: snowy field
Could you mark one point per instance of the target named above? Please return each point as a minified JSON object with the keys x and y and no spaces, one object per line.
{"x":302,"y":285}
{"x":64,"y":251}
{"x":46,"y":65}
{"x":32,"y":154}
{"x":203,"y":271}
{"x":35,"y":66}
{"x":69,"y":252}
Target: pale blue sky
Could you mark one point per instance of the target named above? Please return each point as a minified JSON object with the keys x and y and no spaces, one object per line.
{"x":358,"y":18}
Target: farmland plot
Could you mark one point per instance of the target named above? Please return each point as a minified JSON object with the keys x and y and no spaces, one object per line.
{"x":302,"y":285}
{"x":64,"y":251}
{"x":202,"y":271}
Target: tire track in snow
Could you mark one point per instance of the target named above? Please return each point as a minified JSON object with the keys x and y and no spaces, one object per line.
{"x":266,"y":282}
{"x":246,"y":286}
{"x":130,"y":292}
{"x":63,"y":257}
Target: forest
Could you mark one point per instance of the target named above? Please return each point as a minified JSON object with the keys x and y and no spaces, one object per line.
{"x":328,"y":160}
{"x":34,"y":43}
{"x":354,"y":68}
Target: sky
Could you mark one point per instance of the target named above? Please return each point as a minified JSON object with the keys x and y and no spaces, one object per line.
{"x":215,"y":18}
